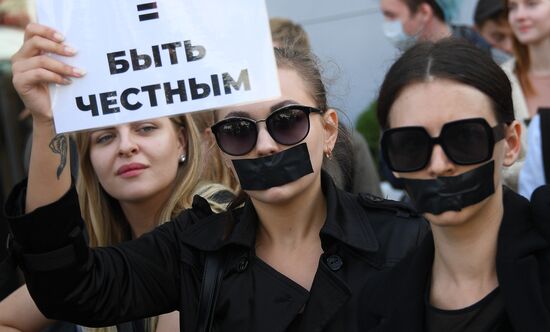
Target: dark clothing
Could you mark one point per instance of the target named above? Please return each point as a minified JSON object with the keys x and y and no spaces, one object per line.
{"x":162,"y":271}
{"x":473,"y":37}
{"x":486,"y":315}
{"x":394,"y":300}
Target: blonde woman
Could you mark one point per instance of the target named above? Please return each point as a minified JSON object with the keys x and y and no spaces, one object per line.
{"x":143,"y":173}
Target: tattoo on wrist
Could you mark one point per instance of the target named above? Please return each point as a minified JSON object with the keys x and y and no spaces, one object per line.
{"x":59,"y":146}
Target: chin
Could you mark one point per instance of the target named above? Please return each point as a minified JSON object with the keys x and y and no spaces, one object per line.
{"x":528,"y":39}
{"x":457,"y":218}
{"x":274,"y":195}
{"x":448,"y":218}
{"x":282,"y":194}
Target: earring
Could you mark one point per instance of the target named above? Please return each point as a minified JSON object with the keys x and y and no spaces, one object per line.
{"x":328,"y":154}
{"x":182,"y":158}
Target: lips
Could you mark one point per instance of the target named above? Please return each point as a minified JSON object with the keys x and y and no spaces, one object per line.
{"x":524,"y":28}
{"x":129,"y":168}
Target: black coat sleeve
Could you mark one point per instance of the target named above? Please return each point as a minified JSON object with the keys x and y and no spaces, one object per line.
{"x":93,"y":287}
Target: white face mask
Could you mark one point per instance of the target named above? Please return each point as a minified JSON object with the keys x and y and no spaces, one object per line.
{"x":393,"y":30}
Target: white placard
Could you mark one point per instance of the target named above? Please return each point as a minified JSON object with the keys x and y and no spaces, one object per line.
{"x":149,"y":59}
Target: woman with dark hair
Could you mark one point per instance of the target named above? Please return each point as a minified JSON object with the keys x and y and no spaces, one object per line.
{"x":449,"y":128}
{"x":294,"y":257}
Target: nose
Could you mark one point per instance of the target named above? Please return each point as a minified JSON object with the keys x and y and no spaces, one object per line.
{"x":127,"y":144}
{"x":518,"y":13}
{"x":440,"y":164}
{"x":265,"y":144}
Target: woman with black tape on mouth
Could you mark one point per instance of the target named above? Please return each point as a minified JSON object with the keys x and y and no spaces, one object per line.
{"x":283,"y":182}
{"x":449,"y":128}
{"x":295,"y":255}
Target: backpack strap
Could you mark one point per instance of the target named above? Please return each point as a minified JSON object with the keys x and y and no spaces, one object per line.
{"x":545,"y":138}
{"x":212,"y":275}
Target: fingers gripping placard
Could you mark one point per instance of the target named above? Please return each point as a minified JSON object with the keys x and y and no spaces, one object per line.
{"x":149,"y":59}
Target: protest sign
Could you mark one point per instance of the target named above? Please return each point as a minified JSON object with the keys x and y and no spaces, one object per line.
{"x":149,"y":59}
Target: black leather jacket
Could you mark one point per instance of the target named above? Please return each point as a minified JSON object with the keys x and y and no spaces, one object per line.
{"x":162,"y":271}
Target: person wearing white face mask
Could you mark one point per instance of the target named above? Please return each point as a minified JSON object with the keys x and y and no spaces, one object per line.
{"x":409,"y":21}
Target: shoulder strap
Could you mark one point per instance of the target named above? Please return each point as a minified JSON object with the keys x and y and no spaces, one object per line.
{"x":545,"y":138}
{"x":213,"y":272}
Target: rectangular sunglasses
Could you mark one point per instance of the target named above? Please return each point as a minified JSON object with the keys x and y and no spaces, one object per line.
{"x":465,"y":142}
{"x":287,"y":125}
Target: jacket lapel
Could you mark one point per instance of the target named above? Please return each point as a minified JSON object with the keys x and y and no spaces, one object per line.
{"x":518,"y":268}
{"x":406,"y":297}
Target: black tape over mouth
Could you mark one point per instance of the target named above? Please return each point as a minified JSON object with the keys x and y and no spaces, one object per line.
{"x":452,"y":193}
{"x":275,"y":170}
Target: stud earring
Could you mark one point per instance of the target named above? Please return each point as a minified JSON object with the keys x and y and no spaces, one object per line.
{"x":182,"y":158}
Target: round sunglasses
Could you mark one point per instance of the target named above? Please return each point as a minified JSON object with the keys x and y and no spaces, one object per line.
{"x":287,"y":125}
{"x":465,"y":142}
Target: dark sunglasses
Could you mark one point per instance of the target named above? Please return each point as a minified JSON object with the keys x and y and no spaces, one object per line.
{"x":287,"y":125}
{"x":465,"y":142}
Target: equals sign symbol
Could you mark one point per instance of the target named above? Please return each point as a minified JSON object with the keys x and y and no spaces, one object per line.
{"x":148,"y":16}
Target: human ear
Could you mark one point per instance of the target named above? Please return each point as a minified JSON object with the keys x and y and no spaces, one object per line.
{"x":330,"y":125}
{"x":212,"y":141}
{"x":182,"y":139}
{"x":424,"y":12}
{"x":512,"y":143}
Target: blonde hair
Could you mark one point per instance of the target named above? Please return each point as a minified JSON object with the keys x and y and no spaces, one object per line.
{"x":215,"y":171}
{"x":104,"y":219}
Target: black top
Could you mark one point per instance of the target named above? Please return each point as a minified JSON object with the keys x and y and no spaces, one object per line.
{"x":486,"y":315}
{"x":162,"y":271}
{"x":395,"y":299}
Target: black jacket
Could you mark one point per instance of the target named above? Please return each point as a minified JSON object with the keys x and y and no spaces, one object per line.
{"x":161,"y":271}
{"x":394,"y":301}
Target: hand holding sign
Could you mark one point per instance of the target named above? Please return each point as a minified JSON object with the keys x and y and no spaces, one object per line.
{"x":33,"y":70}
{"x":162,"y":58}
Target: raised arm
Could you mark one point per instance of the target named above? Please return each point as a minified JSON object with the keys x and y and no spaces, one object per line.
{"x":33,"y":70}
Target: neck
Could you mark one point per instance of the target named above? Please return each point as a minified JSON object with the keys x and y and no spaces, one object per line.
{"x":293,"y":222}
{"x":538,"y":55}
{"x":435,"y":30}
{"x":464,"y":268}
{"x":142,"y":215}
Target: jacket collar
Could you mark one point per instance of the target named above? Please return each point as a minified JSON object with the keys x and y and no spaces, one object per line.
{"x":343,"y":214}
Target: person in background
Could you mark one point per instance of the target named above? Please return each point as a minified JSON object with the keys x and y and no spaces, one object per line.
{"x":448,"y":129}
{"x":536,"y":169}
{"x":529,"y":70}
{"x":491,"y":22}
{"x":352,"y":168}
{"x":409,"y":21}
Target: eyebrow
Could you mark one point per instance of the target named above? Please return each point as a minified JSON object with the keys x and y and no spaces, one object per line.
{"x":273,"y":108}
{"x":100,"y":129}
